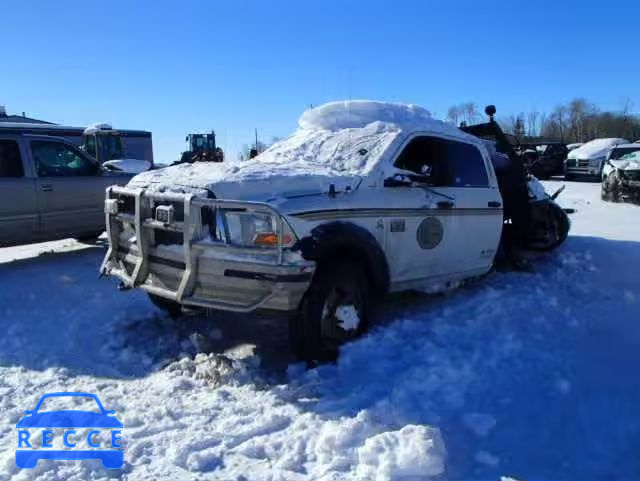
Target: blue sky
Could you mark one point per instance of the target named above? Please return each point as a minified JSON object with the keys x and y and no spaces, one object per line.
{"x":177,"y":67}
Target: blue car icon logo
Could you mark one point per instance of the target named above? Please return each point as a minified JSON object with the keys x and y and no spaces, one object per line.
{"x":98,"y":422}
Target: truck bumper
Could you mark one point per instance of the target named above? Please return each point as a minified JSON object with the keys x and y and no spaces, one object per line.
{"x":581,"y":168}
{"x":196,"y":271}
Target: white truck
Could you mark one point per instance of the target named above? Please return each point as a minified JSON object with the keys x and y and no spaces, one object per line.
{"x":364,"y":198}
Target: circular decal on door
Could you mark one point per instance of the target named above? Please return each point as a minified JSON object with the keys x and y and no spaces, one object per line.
{"x":430,"y":232}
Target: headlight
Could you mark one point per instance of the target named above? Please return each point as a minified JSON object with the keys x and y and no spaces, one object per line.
{"x":597,"y":161}
{"x":253,"y":229}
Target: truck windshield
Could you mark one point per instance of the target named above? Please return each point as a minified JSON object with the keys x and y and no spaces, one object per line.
{"x":619,"y":153}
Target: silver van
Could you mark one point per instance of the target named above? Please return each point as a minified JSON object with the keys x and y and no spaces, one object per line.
{"x":50,"y":189}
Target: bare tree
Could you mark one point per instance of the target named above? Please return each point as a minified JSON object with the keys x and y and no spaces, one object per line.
{"x":453,"y":114}
{"x":532,"y":123}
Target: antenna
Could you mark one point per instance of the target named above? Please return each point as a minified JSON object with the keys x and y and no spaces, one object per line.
{"x":256,"y":132}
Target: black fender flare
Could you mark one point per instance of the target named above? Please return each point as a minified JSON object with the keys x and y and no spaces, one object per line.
{"x":333,"y":239}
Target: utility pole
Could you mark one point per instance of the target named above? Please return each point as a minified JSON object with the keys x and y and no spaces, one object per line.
{"x":256,"y":131}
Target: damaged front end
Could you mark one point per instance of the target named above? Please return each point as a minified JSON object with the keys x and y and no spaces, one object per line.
{"x":203,"y":252}
{"x":622,"y":185}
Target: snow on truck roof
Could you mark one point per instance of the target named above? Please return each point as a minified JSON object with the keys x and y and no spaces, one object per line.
{"x":595,"y":147}
{"x":346,"y":138}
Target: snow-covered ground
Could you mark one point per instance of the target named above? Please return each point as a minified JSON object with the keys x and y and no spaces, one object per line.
{"x":531,"y":376}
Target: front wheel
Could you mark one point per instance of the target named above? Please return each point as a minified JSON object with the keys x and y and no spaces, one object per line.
{"x":335,"y":310}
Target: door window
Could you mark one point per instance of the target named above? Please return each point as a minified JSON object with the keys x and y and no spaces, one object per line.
{"x":447,"y":163}
{"x":10,"y":159}
{"x":55,"y":159}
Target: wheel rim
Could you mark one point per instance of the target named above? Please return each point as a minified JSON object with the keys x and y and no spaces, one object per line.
{"x":341,"y":318}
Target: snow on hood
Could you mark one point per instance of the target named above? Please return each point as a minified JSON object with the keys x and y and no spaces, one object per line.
{"x":338,"y":142}
{"x":595,"y":148}
{"x":630,"y":161}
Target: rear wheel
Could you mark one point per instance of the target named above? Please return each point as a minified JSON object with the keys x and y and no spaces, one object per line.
{"x":335,"y":310}
{"x":554,"y":230}
{"x":170,"y":307}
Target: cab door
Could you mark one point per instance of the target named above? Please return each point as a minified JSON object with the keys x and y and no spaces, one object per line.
{"x":451,"y":216}
{"x":477,"y":214}
{"x":69,"y":187}
{"x":19,"y":220}
{"x":417,"y":218}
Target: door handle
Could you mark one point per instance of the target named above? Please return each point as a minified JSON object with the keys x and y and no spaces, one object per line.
{"x":46,"y":188}
{"x":445,"y":204}
{"x":494,"y":203}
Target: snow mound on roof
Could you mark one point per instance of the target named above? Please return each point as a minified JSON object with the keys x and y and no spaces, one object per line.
{"x":595,"y":148}
{"x":335,"y":140}
{"x":350,"y":114}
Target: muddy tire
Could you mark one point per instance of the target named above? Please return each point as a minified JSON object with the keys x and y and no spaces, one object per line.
{"x":336,"y":309}
{"x":170,"y":307}
{"x":557,"y":226}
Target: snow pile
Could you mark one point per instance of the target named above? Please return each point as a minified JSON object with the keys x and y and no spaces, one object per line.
{"x":336,"y":140}
{"x":412,"y":452}
{"x":595,"y":148}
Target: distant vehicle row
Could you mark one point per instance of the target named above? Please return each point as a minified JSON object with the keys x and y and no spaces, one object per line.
{"x":589,"y":159}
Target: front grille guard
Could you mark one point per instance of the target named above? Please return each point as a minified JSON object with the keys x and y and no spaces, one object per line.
{"x":191,"y":228}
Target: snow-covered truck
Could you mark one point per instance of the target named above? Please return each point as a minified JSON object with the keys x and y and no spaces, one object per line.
{"x":364,"y":198}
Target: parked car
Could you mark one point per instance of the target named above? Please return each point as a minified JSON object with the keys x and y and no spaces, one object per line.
{"x":588,"y":160}
{"x":99,"y":140}
{"x":365,"y":198}
{"x":50,"y":189}
{"x":621,"y":174}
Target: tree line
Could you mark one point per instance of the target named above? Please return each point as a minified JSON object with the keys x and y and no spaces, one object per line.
{"x":577,"y":121}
